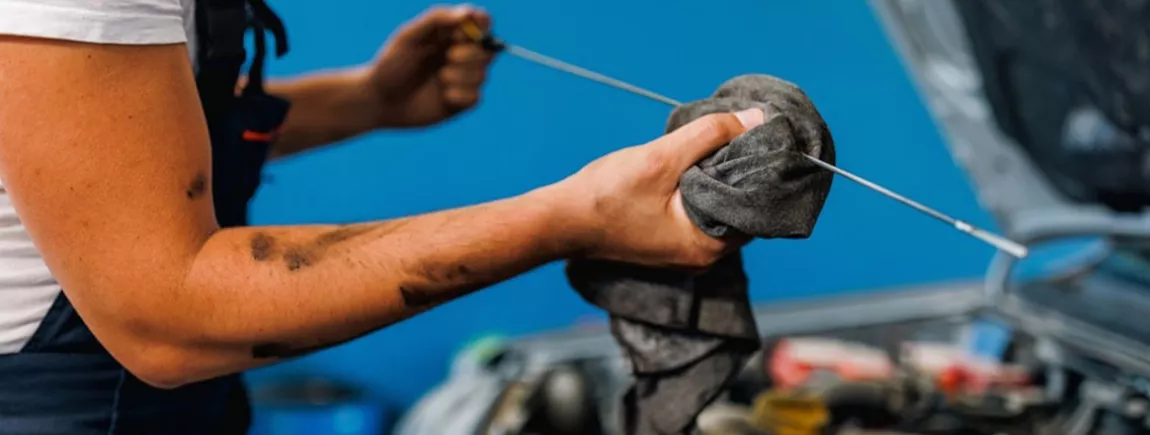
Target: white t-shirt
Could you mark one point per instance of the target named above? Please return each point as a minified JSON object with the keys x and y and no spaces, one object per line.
{"x":27,"y":288}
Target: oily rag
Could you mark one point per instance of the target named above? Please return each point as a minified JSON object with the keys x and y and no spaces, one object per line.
{"x":687,"y":334}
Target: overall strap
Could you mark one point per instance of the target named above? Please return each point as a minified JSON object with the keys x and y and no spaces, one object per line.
{"x":220,"y":29}
{"x":244,"y":125}
{"x":263,"y":20}
{"x":221,"y":26}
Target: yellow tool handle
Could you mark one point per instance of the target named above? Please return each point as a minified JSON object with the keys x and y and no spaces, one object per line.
{"x":472,"y":30}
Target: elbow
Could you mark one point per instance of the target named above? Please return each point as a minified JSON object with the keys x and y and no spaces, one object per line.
{"x":158,"y":342}
{"x":159,"y":380}
{"x":160,"y":363}
{"x":158,"y":350}
{"x":159,"y":367}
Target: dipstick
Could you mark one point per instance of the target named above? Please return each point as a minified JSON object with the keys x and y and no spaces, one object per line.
{"x":491,"y":43}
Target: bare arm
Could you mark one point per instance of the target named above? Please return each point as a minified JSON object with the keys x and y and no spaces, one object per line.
{"x":427,"y":72}
{"x":105,"y":154}
{"x":327,"y":107}
{"x":112,"y":187}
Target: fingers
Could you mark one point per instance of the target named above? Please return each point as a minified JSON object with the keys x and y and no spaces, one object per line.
{"x":692,"y":142}
{"x":434,"y":23}
{"x":461,"y":97}
{"x":476,"y":15}
{"x":442,"y":23}
{"x":468,"y":54}
{"x":466,"y":64}
{"x":462,"y":77}
{"x":463,"y":74}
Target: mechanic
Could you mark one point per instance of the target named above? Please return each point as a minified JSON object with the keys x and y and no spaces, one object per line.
{"x":131,"y":290}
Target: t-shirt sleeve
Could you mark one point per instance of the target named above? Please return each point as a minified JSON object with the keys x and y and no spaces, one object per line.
{"x":134,"y":22}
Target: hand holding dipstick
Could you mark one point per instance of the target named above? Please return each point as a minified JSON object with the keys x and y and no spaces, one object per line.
{"x":489,"y":42}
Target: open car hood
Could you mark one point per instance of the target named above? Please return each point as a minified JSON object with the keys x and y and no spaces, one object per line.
{"x":1050,"y":120}
{"x":1046,"y":106}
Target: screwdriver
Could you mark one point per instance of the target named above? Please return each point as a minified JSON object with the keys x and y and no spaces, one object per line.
{"x":495,"y":45}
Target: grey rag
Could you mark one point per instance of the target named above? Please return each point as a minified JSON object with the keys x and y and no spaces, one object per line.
{"x":686,"y":335}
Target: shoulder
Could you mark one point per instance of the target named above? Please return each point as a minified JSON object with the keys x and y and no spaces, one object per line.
{"x":103,"y":22}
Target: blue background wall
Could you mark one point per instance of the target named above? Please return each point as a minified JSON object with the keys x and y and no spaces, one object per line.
{"x":535,"y":126}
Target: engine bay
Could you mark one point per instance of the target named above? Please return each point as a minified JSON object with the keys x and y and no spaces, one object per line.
{"x":850,"y":384}
{"x":918,"y":361}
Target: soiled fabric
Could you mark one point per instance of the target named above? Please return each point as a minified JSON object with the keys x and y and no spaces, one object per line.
{"x":686,"y":335}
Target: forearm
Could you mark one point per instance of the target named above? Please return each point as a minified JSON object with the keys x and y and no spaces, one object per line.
{"x":326,"y":107}
{"x":255,"y":295}
{"x":127,"y":227}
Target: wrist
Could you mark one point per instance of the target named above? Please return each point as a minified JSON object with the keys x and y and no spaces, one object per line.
{"x":369,"y":99}
{"x":567,"y":228}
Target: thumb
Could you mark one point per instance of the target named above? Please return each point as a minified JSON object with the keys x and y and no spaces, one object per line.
{"x":692,"y":142}
{"x":437,"y":21}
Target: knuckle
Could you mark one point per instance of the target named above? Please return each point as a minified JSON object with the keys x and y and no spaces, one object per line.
{"x":447,"y":75}
{"x":461,"y":97}
{"x":655,"y":162}
{"x":699,"y":260}
{"x":453,"y":52}
{"x":460,"y":53}
{"x":716,"y":127}
{"x":459,"y":79}
{"x":705,"y":254}
{"x":462,"y":77}
{"x":435,"y":12}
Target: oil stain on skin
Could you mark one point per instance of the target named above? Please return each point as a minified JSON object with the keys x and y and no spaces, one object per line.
{"x":455,"y":277}
{"x":198,"y":186}
{"x":460,"y":272}
{"x":342,"y":234}
{"x":415,"y":299}
{"x":287,"y":350}
{"x":297,"y":259}
{"x":263,"y":246}
{"x":296,"y":256}
{"x":278,"y":350}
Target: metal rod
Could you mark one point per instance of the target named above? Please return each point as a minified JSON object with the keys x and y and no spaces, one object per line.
{"x":1013,"y":248}
{"x":548,"y":61}
{"x":890,"y":194}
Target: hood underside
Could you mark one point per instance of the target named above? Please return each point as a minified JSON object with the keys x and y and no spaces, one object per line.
{"x":1044,"y":103}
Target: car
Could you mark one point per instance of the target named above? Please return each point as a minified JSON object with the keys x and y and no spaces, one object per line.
{"x":1046,"y":106}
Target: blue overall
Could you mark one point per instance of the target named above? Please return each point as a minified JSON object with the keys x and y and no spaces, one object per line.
{"x":63,"y":381}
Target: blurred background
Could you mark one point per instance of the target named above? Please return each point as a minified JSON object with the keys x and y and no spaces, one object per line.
{"x":535,"y":126}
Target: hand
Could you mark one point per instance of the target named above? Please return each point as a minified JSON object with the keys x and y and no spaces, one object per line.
{"x":630,"y":203}
{"x":429,"y":71}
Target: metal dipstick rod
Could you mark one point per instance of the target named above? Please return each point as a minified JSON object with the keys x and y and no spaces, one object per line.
{"x":1009,"y":246}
